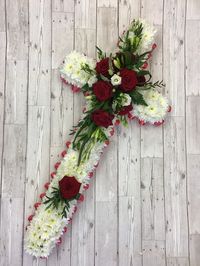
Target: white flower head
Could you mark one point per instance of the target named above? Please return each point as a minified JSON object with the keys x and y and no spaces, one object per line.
{"x":122,"y":100}
{"x":92,"y":80}
{"x":72,"y":70}
{"x":148,"y":36}
{"x":116,"y":80}
{"x":126,"y":99}
{"x":156,"y":109}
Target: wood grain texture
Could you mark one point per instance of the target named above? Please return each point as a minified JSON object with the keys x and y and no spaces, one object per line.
{"x":142,"y":206}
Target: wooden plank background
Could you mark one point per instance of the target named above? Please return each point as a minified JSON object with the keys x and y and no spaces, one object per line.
{"x":142,"y":208}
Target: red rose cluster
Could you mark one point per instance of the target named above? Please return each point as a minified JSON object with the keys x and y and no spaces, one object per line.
{"x":103,"y":90}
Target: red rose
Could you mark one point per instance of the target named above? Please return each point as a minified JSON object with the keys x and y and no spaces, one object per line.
{"x":125,"y":110}
{"x":129,"y":80}
{"x":69,"y":187}
{"x":102,"y":90}
{"x":102,"y":118}
{"x":141,"y":80}
{"x":102,"y":67}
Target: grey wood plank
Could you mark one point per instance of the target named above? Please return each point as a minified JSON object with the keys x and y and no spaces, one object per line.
{"x":85,"y":40}
{"x":153,"y":217}
{"x":107,"y":3}
{"x":129,"y":239}
{"x":57,"y":110}
{"x":154,"y":253}
{"x":38,"y":150}
{"x":178,"y":262}
{"x":2,"y":90}
{"x":11,"y":231}
{"x":13,"y":168}
{"x":61,"y":95}
{"x":193,"y":125}
{"x":16,"y":92}
{"x":15,"y":19}
{"x":106,"y":175}
{"x":194,"y":249}
{"x":152,"y":11}
{"x":192,"y":57}
{"x":175,"y":188}
{"x":2,"y":18}
{"x":128,"y":10}
{"x":83,"y":231}
{"x":173,"y":54}
{"x":107,"y":36}
{"x":106,"y":234}
{"x":63,"y":6}
{"x":86,"y":11}
{"x":61,"y":111}
{"x":193,"y":170}
{"x":39,"y":52}
{"x":129,"y":161}
{"x":17,"y":29}
{"x":193,"y":9}
{"x":62,"y":36}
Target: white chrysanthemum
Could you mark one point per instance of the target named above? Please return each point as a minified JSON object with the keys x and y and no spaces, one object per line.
{"x":148,"y":35}
{"x":92,"y":80}
{"x":69,"y":166}
{"x":48,"y":225}
{"x":72,"y":71}
{"x":156,"y":109}
{"x":44,"y":230}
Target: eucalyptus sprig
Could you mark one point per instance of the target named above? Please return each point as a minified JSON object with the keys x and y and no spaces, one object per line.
{"x":151,"y":85}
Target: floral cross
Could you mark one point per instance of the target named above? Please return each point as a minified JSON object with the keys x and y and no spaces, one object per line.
{"x":118,"y":88}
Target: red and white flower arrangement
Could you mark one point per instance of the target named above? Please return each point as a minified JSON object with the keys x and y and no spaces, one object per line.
{"x":117,"y":88}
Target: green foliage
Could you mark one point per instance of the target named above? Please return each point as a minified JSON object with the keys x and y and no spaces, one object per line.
{"x":87,"y":69}
{"x":131,"y":39}
{"x":87,"y":136}
{"x":100,"y":53}
{"x":56,"y":199}
{"x":151,"y":85}
{"x":138,"y":98}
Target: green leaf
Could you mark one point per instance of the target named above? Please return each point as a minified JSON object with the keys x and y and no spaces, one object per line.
{"x":138,"y":98}
{"x":100,"y":53}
